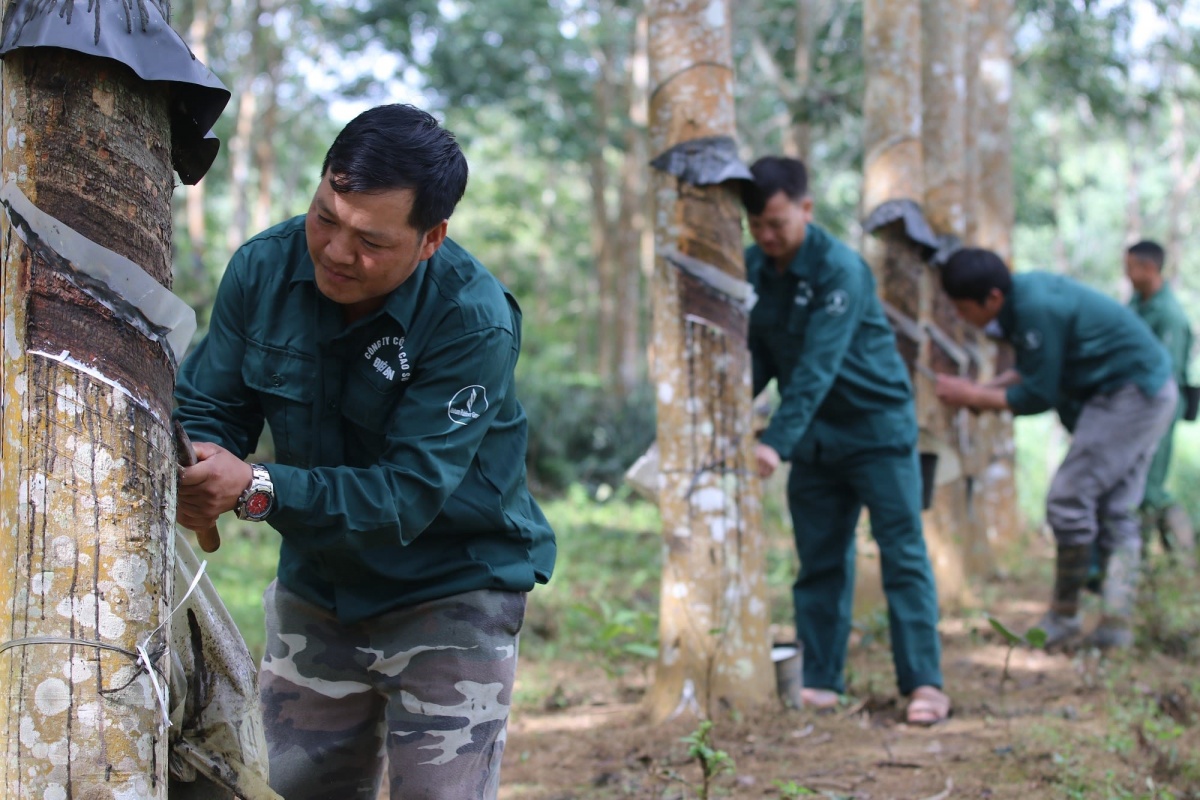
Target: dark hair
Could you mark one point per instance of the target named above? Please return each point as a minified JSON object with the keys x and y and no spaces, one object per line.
{"x":774,"y":174}
{"x":972,"y":273}
{"x":1149,"y":251}
{"x":400,"y":146}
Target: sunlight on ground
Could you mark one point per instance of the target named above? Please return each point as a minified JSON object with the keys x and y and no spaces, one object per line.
{"x":577,"y":719}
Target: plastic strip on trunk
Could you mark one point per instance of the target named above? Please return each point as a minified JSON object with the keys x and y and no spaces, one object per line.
{"x":109,"y":278}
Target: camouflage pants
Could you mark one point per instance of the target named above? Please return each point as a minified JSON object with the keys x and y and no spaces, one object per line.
{"x":429,"y":686}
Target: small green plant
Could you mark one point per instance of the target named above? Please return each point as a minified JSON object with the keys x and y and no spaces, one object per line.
{"x":789,"y":789}
{"x":618,"y":634}
{"x":1035,"y":638}
{"x":713,"y":762}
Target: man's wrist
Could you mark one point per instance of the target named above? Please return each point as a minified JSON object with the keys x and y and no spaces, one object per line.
{"x":258,"y":500}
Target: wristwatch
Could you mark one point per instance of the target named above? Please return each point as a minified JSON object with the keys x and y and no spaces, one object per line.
{"x":258,"y":501}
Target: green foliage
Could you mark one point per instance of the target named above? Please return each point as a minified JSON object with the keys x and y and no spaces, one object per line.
{"x":790,"y":789}
{"x":619,"y":633}
{"x":581,"y":432}
{"x":713,"y":761}
{"x":1034,"y":637}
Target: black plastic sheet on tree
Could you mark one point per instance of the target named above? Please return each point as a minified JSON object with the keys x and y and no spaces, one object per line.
{"x":907,"y":212}
{"x":137,"y":34}
{"x":704,"y":162}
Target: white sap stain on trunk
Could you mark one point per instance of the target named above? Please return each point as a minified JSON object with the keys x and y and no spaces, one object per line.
{"x":52,"y":696}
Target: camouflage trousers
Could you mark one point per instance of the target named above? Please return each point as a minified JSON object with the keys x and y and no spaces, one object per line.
{"x":427,"y":686}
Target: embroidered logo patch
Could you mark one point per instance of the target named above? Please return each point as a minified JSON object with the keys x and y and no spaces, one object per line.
{"x":804,"y":293}
{"x":837,"y":302}
{"x":1032,"y":339}
{"x":467,"y":404}
{"x":389,"y":358}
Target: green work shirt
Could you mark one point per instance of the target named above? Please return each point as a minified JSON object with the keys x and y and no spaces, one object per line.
{"x":1073,"y":343}
{"x":1165,"y":317}
{"x":819,"y":330}
{"x":399,"y":442}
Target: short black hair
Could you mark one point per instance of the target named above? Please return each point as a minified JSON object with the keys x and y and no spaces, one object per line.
{"x":972,"y":273}
{"x":1149,"y":251}
{"x":774,"y":174}
{"x":399,"y":146}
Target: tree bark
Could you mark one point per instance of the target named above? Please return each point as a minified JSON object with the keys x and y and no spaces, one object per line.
{"x":194,"y":206}
{"x":990,"y":218}
{"x":633,"y":217}
{"x":895,"y":169}
{"x":945,"y":37}
{"x":714,"y":651}
{"x":88,"y":480}
{"x":604,"y":256}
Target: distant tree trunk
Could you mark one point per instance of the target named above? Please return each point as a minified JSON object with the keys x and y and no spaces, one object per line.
{"x":240,"y":153}
{"x":714,"y":651}
{"x":88,"y":481}
{"x":991,"y":204}
{"x":810,"y":16}
{"x":1133,"y":185}
{"x":1185,"y":174}
{"x":1061,"y":259}
{"x":604,"y":255}
{"x":633,"y":219}
{"x":894,"y":169}
{"x":194,"y":205}
{"x":265,"y":138}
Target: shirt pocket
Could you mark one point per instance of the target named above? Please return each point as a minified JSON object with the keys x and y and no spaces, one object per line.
{"x":368,"y":398}
{"x":797,"y":320}
{"x":284,"y":381}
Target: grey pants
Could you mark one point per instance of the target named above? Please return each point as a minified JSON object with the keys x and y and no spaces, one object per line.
{"x":429,"y":685}
{"x":1095,"y":493}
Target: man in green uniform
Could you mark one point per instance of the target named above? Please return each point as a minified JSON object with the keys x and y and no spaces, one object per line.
{"x":381,"y":355}
{"x":846,"y":422}
{"x":1155,"y":303}
{"x":1085,"y":355}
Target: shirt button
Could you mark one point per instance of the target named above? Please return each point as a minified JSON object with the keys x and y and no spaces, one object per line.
{"x":277,"y":379}
{"x":333,"y":405}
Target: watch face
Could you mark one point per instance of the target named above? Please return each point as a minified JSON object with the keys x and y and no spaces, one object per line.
{"x":258,"y":504}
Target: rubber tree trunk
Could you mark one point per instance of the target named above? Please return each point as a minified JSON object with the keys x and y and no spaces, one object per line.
{"x":714,"y":651}
{"x":894,"y":170}
{"x":88,"y":483}
{"x":945,"y":39}
{"x":991,"y":214}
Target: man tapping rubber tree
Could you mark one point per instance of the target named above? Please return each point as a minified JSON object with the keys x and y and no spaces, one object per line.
{"x":1090,"y":358}
{"x":1156,"y":304}
{"x":847,"y":423}
{"x":381,"y":354}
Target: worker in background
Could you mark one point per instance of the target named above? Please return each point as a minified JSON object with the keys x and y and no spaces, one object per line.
{"x":1082,"y":353}
{"x":847,"y":423}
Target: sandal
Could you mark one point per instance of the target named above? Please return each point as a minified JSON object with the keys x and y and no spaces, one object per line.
{"x":820,"y":699}
{"x":929,"y":706}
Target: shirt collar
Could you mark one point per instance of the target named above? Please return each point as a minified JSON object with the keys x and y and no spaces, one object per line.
{"x":1007,"y":318}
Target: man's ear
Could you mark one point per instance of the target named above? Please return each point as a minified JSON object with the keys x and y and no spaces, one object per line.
{"x":433,"y":239}
{"x":995,"y":301}
{"x":807,"y":205}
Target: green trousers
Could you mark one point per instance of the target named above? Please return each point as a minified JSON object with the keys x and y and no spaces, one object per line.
{"x":1156,"y":497}
{"x":826,"y":500}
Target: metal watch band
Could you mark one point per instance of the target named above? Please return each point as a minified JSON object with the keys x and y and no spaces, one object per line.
{"x":258,"y":501}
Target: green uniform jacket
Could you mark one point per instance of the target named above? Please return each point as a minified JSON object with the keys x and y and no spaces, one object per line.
{"x":1165,"y":317}
{"x":820,"y":331}
{"x":399,"y":442}
{"x":1073,"y":343}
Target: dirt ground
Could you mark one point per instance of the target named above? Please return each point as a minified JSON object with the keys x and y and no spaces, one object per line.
{"x":1061,"y":725}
